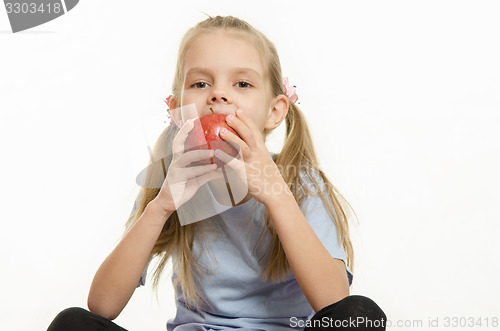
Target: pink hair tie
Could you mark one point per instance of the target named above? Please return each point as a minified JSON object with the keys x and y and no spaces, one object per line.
{"x":167,"y":101}
{"x":289,"y":91}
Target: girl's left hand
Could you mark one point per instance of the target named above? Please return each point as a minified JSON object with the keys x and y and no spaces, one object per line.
{"x":262,"y":175}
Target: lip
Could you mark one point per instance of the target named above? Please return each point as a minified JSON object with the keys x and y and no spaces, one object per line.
{"x":220,"y":111}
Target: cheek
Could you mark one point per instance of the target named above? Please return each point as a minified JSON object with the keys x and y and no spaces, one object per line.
{"x":261,"y":120}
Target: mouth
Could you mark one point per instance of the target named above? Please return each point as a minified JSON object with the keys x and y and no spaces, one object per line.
{"x":214,"y":110}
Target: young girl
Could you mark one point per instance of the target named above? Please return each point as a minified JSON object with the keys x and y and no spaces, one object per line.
{"x":281,"y":258}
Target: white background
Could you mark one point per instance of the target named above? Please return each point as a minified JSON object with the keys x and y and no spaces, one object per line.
{"x":403,"y":102}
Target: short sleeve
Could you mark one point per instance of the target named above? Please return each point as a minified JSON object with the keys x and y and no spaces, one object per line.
{"x":142,"y":280}
{"x":322,"y":223}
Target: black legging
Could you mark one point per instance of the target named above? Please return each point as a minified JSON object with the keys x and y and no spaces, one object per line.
{"x":354,"y":312}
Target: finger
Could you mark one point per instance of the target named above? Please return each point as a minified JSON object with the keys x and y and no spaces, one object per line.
{"x":249,"y":130}
{"x":193,"y":156}
{"x":229,"y":160}
{"x":242,"y":116}
{"x":210,"y":176}
{"x":193,"y":172}
{"x":243,"y":130}
{"x":180,"y":138}
{"x":231,"y":137}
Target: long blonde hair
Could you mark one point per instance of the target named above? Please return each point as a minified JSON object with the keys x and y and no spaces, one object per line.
{"x":176,"y":241}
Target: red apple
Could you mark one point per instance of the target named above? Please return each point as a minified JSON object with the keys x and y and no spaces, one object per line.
{"x":205,"y":135}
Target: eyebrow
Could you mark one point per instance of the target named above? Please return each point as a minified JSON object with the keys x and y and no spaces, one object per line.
{"x":236,"y":70}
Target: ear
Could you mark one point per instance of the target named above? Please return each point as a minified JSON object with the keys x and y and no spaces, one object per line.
{"x":175,"y":112}
{"x":279,"y":109}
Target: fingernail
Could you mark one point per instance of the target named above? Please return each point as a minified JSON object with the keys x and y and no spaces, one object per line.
{"x":217,"y":152}
{"x":214,"y":166}
{"x":211,"y":152}
{"x":230,"y":117}
{"x":223,"y":130}
{"x":239,"y":111}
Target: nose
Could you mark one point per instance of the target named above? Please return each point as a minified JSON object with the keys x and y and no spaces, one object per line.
{"x":219,"y":95}
{"x":223,"y":99}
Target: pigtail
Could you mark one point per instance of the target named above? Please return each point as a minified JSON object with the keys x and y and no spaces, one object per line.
{"x":298,"y":159}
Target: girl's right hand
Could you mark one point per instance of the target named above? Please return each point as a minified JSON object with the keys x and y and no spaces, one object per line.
{"x":182,"y":182}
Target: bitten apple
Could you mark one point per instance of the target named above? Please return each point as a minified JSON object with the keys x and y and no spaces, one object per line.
{"x":205,"y":135}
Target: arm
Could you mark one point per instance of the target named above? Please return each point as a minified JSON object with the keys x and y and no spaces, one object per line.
{"x":321,"y":277}
{"x":116,"y":279}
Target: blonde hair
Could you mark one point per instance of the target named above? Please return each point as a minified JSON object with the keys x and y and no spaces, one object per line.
{"x":176,"y":241}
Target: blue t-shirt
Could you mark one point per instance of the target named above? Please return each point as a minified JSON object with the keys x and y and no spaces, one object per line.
{"x":235,"y":296}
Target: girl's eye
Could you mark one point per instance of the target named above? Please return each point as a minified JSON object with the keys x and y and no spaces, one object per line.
{"x":198,"y":84}
{"x":245,"y":84}
{"x":201,"y":85}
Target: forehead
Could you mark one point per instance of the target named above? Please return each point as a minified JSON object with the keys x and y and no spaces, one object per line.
{"x":223,"y":50}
